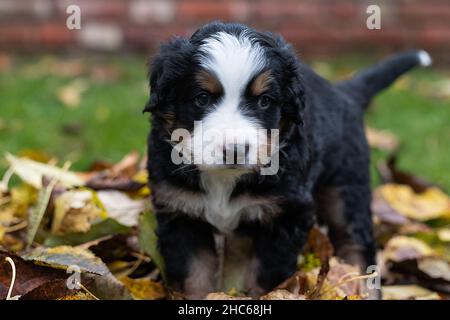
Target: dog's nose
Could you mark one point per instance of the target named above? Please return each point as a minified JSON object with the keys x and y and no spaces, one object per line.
{"x":235,"y":153}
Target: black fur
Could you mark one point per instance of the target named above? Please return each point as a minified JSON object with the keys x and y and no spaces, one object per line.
{"x":326,"y":151}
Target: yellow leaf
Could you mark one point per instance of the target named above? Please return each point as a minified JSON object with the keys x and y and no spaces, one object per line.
{"x":144,"y":288}
{"x":444,"y":234}
{"x":2,"y":232}
{"x":77,"y":296}
{"x":430,"y":204}
{"x":75,"y":211}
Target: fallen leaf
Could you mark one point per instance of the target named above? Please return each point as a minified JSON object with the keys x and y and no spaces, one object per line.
{"x":107,"y":287}
{"x":98,"y":230}
{"x":224,"y":296}
{"x":435,"y":268}
{"x":64,"y":256}
{"x":389,"y":173}
{"x":430,"y":204}
{"x":148,"y":239}
{"x":144,"y":288}
{"x":37,"y":213}
{"x":127,"y":167}
{"x":381,"y":139}
{"x":29,"y":276}
{"x":75,"y":211}
{"x":70,"y":94}
{"x":384,"y":212}
{"x":77,"y":296}
{"x":444,"y":234}
{"x":408,"y":292}
{"x":401,"y":248}
{"x":282,"y":294}
{"x":33,"y":172}
{"x":121,"y":207}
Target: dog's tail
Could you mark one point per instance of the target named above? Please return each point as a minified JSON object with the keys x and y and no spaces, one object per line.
{"x":367,"y":83}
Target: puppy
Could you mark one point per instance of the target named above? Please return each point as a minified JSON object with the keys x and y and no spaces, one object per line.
{"x":250,"y":87}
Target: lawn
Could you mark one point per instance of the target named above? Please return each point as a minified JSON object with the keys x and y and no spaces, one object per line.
{"x":39,"y":111}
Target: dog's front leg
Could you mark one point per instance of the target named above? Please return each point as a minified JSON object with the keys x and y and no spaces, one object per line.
{"x":187,"y":246}
{"x":277,"y":245}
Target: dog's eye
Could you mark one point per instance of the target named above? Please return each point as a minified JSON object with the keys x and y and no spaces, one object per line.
{"x":264,"y":101}
{"x":202,"y":100}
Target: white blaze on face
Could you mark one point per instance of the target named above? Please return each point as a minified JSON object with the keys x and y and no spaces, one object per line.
{"x":235,"y":60}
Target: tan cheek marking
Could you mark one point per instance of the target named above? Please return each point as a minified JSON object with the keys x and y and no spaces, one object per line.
{"x":169,"y":118}
{"x":208,"y":82}
{"x":261,"y":83}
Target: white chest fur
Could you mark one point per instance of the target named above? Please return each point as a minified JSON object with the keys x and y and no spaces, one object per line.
{"x":218,"y":209}
{"x":215,"y":205}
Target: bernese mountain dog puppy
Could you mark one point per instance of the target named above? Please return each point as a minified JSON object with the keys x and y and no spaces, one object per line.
{"x":229,"y":78}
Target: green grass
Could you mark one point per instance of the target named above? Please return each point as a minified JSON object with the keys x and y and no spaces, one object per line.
{"x":108,"y":123}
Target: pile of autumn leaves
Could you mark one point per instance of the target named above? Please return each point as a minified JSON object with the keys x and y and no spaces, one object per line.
{"x":91,"y":235}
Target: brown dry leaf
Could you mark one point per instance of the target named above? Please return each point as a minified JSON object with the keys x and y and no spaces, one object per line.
{"x":127,"y":167}
{"x":70,"y":95}
{"x":401,"y":248}
{"x":430,"y":204}
{"x":408,"y":292}
{"x":297,"y":284}
{"x":339,"y":273}
{"x":384,"y":212}
{"x":282,"y":294}
{"x":381,"y":139}
{"x":50,"y":290}
{"x":77,"y":296}
{"x":389,"y":173}
{"x":29,"y":276}
{"x":144,"y":288}
{"x":103,"y":181}
{"x":75,"y":211}
{"x":319,"y":244}
{"x":224,"y":296}
{"x":341,"y":282}
{"x":120,"y":176}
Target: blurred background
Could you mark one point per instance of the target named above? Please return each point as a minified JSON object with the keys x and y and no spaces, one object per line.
{"x":78,"y":94}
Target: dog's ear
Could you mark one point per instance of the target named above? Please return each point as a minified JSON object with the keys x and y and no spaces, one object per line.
{"x":293,"y":87}
{"x":294,"y":90}
{"x":294,"y":99}
{"x":169,"y":66}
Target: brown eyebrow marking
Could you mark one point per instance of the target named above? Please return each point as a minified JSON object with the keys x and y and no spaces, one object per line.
{"x":261,"y":83}
{"x":208,"y":82}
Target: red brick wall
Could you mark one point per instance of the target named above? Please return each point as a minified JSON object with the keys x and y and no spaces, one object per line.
{"x":314,"y":26}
